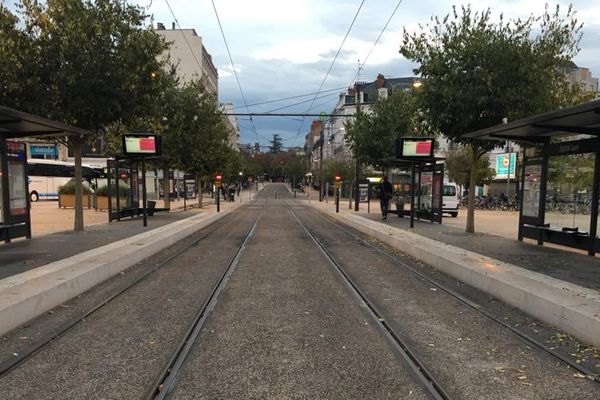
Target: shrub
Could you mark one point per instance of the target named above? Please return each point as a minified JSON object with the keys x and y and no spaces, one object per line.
{"x":69,"y":187}
{"x":123,"y":190}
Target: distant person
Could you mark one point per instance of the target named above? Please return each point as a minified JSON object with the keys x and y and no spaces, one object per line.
{"x":385,"y":194}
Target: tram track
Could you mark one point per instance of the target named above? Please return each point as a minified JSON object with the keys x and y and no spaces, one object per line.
{"x":167,"y":379}
{"x":400,"y":344}
{"x":332,"y":238}
{"x":227,"y":228}
{"x":529,"y":339}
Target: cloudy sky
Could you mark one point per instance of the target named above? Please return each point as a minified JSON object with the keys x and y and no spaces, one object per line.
{"x":284,"y":48}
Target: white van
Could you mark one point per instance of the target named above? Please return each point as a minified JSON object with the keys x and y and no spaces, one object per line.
{"x":450,"y":199}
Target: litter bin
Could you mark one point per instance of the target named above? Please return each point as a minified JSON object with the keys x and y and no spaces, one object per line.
{"x":150,"y":206}
{"x":399,"y":201}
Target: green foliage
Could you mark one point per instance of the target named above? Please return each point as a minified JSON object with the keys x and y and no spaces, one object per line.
{"x":458,"y":167}
{"x":276,"y":144}
{"x":477,"y":72}
{"x":124,"y":190}
{"x":371,"y":136}
{"x":19,"y":67}
{"x":295,"y":167}
{"x":97,"y":58}
{"x":69,"y":188}
{"x":337,"y":167}
{"x":195,"y":134}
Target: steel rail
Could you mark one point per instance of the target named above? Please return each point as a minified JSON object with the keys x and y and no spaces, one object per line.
{"x":9,"y":365}
{"x":167,"y":379}
{"x":418,"y":368}
{"x":524,"y":336}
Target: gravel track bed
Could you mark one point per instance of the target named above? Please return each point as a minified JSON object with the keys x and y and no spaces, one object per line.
{"x":473,"y":357}
{"x":119,"y":351}
{"x":286,"y":327}
{"x":51,"y":322}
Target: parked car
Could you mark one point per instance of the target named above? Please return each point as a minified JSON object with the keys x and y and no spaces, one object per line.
{"x":450,"y":199}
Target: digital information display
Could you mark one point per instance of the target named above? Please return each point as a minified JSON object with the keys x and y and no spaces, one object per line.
{"x":141,"y":145}
{"x":416,"y":148}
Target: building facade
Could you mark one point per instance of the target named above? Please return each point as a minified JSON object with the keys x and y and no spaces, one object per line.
{"x":189,"y":55}
{"x":335,"y":145}
{"x":233,"y":128}
{"x":583,"y":77}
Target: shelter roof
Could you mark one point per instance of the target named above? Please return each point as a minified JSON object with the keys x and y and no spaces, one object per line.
{"x":580,"y":119}
{"x":16,"y":124}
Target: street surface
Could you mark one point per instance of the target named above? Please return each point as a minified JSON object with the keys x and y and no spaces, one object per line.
{"x":287,"y":325}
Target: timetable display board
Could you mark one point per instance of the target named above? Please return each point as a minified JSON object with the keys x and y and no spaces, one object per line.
{"x":142,"y":145}
{"x":415,"y":148}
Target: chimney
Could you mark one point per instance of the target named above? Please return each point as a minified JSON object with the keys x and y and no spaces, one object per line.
{"x":160,"y":26}
{"x":379,"y":82}
{"x":173,"y":25}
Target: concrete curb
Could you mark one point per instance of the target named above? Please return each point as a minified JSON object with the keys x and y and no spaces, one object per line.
{"x":31,"y":293}
{"x":569,"y":307}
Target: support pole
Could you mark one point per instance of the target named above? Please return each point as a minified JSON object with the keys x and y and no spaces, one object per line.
{"x":144,"y":199}
{"x":412,"y":195}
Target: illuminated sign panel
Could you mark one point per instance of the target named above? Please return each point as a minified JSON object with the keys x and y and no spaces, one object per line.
{"x":415,"y":148}
{"x":144,"y":145}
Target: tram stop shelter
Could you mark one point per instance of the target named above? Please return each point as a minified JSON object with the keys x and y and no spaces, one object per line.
{"x":426,"y":181}
{"x":15,"y":218}
{"x":559,"y":174}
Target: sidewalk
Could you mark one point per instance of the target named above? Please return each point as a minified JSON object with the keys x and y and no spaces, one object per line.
{"x":54,"y":238}
{"x":557,"y":286}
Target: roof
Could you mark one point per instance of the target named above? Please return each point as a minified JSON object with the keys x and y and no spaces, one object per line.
{"x":580,"y":119}
{"x":15,"y":124}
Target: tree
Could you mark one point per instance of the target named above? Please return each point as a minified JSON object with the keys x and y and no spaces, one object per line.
{"x":477,"y":72}
{"x":458,"y":167}
{"x":195,"y":136}
{"x":98,"y":58}
{"x":276,"y":144}
{"x":337,"y":167}
{"x":371,"y":136}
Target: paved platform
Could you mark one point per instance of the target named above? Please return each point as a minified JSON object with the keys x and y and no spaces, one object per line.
{"x":559,"y":287}
{"x":39,"y":274}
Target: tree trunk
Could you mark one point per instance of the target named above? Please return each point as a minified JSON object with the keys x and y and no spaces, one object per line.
{"x":472,"y":179}
{"x":76,"y":145}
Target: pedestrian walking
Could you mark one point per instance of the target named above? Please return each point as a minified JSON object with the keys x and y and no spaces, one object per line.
{"x":385,"y":194}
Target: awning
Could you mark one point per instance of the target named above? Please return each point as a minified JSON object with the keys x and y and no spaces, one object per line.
{"x":580,"y":119}
{"x":16,"y":124}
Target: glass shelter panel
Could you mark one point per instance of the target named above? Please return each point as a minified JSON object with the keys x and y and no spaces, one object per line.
{"x":569,"y":191}
{"x":425,"y":191}
{"x":1,"y":195}
{"x":16,"y":188}
{"x":531,"y":190}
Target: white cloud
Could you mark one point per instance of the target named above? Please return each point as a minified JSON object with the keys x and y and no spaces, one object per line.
{"x":284,"y":48}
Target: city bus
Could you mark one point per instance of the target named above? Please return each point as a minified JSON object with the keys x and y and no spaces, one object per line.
{"x":46,"y":176}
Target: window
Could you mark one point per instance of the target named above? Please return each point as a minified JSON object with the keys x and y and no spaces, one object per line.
{"x":449,"y":190}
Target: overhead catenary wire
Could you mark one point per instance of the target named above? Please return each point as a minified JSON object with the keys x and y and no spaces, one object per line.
{"x":376,"y":42}
{"x":237,"y":79}
{"x":292,"y":97}
{"x":333,"y":62}
{"x":183,"y":35}
{"x":302,"y":102}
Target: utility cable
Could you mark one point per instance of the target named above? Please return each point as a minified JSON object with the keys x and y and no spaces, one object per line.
{"x":333,"y":62}
{"x":301,"y":102}
{"x":292,"y":97}
{"x":184,"y":37}
{"x":376,"y":41}
{"x":233,"y":66}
